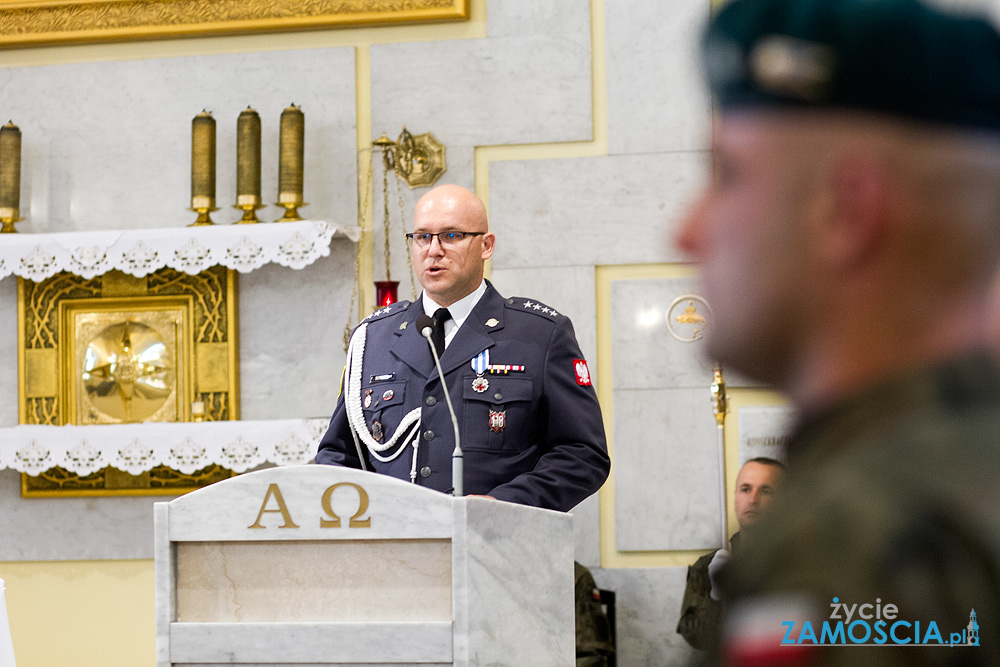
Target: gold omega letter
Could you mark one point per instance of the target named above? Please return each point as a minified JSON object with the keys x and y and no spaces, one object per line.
{"x":356,"y":521}
{"x":273,"y":490}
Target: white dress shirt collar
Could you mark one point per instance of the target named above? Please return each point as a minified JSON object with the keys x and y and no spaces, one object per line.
{"x":460,"y":310}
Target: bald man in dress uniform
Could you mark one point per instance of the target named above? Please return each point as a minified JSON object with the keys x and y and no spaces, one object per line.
{"x":531,"y":427}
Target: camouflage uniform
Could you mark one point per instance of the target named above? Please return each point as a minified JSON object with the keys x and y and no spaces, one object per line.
{"x":892,"y":495}
{"x":593,"y":631}
{"x":699,"y":621}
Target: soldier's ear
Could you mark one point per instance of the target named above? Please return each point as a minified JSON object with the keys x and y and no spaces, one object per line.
{"x":488,"y":244}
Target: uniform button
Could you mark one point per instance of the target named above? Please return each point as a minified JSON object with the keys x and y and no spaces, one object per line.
{"x":498,"y":396}
{"x":425,"y":472}
{"x":428,"y":434}
{"x":430,"y":400}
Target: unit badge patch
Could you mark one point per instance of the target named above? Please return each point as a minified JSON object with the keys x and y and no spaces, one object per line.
{"x":582,"y":372}
{"x":498,"y":420}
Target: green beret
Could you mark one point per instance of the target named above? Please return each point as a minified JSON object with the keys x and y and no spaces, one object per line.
{"x":898,"y":57}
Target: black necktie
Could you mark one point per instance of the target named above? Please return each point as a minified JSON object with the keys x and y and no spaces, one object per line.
{"x":441,"y":315}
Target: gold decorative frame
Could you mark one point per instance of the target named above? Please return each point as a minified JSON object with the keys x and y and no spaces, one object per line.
{"x":33,"y":23}
{"x":204,"y":351}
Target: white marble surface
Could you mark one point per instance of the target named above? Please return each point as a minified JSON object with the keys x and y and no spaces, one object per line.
{"x":498,"y":575}
{"x":645,"y":354}
{"x":666,"y":470}
{"x":226,"y":510}
{"x":296,"y":643}
{"x":648,"y":605}
{"x":373,"y":581}
{"x":764,"y":431}
{"x":541,"y":17}
{"x":656,"y":99}
{"x":121,"y":158}
{"x":592,"y":211}
{"x":587,"y":531}
{"x":475,"y":92}
{"x":520,"y":560}
{"x":53,"y":529}
{"x":291,"y":336}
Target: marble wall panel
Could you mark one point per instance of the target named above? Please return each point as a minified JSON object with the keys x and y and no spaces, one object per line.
{"x":476,"y":92}
{"x":604,"y":210}
{"x":587,"y":532}
{"x":8,"y":351}
{"x":764,"y":431}
{"x":656,"y":99}
{"x":568,"y":289}
{"x":291,"y":336}
{"x":41,"y":529}
{"x":645,"y":354}
{"x":666,"y":470}
{"x":648,"y":606}
{"x":106,"y":145}
{"x":542,"y":17}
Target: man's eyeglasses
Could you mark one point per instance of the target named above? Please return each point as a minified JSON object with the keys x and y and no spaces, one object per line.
{"x":444,"y":238}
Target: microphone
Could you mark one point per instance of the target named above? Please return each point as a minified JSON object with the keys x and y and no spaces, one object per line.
{"x":425,"y":325}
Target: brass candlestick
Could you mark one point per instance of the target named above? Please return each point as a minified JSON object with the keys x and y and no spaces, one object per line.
{"x":203,"y":168}
{"x":248,"y":166}
{"x":291,"y":163}
{"x":10,"y":177}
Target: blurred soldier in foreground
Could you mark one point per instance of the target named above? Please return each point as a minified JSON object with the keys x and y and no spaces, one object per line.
{"x":756,"y":485}
{"x":848,"y":245}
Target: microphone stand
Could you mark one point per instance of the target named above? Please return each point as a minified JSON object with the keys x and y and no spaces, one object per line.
{"x":457,"y":459}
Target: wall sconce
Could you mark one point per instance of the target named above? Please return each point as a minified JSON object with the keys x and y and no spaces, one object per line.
{"x":418,"y":160}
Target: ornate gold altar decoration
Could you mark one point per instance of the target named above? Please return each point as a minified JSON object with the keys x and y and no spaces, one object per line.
{"x":73,"y":21}
{"x":118,"y":349}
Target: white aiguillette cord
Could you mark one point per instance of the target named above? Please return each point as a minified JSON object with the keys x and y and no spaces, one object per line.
{"x":356,"y":416}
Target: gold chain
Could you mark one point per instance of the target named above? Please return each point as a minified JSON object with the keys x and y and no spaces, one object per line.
{"x":402,"y":224}
{"x":362,"y":216}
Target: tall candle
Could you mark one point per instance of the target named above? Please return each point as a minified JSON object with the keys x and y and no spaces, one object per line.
{"x":10,"y":169}
{"x":248,"y":157}
{"x":203,"y":161}
{"x":290,"y":151}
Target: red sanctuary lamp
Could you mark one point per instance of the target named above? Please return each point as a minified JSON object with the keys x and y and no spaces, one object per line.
{"x":386,"y":292}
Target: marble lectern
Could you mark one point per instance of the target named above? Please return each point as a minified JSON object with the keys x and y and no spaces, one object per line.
{"x":320,"y":565}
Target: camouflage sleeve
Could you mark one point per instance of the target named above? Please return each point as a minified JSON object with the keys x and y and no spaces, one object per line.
{"x":699,"y":622}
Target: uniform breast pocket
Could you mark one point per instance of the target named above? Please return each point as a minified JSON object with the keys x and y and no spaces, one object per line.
{"x":498,"y":418}
{"x":383,"y":405}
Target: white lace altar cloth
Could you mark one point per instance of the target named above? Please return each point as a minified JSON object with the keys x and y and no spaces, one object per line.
{"x":183,"y":446}
{"x":139,"y":252}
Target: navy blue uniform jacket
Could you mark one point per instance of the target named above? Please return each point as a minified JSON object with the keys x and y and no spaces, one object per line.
{"x":550,"y":450}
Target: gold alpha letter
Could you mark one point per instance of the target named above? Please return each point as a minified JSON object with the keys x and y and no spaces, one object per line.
{"x":282,"y":508}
